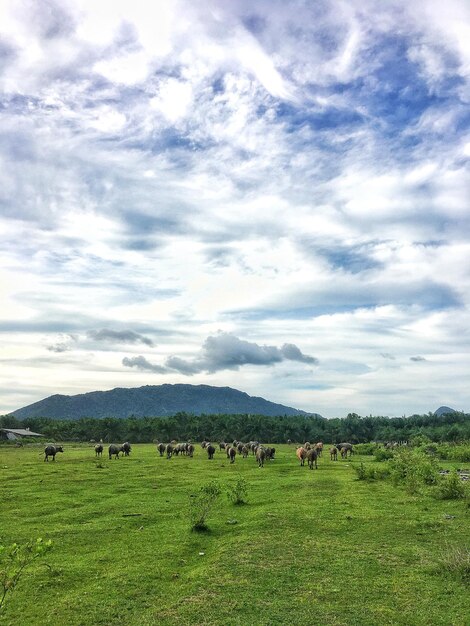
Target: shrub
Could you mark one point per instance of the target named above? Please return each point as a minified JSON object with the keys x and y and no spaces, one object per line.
{"x":450,"y":487}
{"x":365,"y":448}
{"x":370,"y":472}
{"x":413,"y":468}
{"x":201,"y":503}
{"x":14,"y":560}
{"x":237,"y":492}
{"x":383,"y":454}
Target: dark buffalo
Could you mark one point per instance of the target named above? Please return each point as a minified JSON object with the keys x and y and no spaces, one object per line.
{"x":169,"y":450}
{"x":232,"y":453}
{"x":210,"y":451}
{"x":190,"y":450}
{"x":51,"y":451}
{"x":346,"y":447}
{"x":126,"y":448}
{"x":99,"y":449}
{"x":161,"y":448}
{"x":114,"y":450}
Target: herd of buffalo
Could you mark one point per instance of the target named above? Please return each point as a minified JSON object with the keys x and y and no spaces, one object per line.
{"x":307,"y":452}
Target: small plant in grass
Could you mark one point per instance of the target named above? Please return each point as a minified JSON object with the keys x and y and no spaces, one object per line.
{"x":370,"y":473}
{"x":201,"y":503}
{"x":237,"y":492}
{"x":15,"y":560}
{"x":450,"y":487}
{"x":455,"y":560}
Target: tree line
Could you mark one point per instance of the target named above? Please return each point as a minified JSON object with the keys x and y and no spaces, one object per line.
{"x":452,"y":427}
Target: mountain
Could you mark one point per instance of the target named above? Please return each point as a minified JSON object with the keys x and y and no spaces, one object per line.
{"x":153,"y":400}
{"x":442,"y":410}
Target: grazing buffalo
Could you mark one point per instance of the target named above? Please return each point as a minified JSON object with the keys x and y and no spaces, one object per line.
{"x":348,"y":447}
{"x":222,"y":445}
{"x":270,"y":452}
{"x":210,"y":451}
{"x":161,"y":448}
{"x":114,"y":450}
{"x":245,"y":452}
{"x":99,"y":449}
{"x":126,"y":448}
{"x":51,"y":451}
{"x":190,"y":450}
{"x":169,"y":450}
{"x":260,"y":456}
{"x":240,"y":447}
{"x":301,"y":455}
{"x":312,"y":455}
{"x":333,"y":454}
{"x":232,"y":453}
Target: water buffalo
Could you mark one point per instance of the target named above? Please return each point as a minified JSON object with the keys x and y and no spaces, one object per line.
{"x":51,"y":450}
{"x":126,"y":448}
{"x":301,"y":455}
{"x":222,"y":445}
{"x":210,"y":451}
{"x":232,"y":453}
{"x":190,"y":450}
{"x":114,"y":450}
{"x":312,"y":455}
{"x":348,"y":447}
{"x":161,"y":448}
{"x":169,"y":450}
{"x":99,"y":449}
{"x":270,"y":452}
{"x":260,"y":456}
{"x":333,"y":454}
{"x":245,"y":452}
{"x":319,"y":447}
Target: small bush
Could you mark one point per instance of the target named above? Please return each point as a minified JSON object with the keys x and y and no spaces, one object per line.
{"x":450,"y":487}
{"x":237,"y":492}
{"x":367,"y":449}
{"x":413,"y":468}
{"x":383,"y":454}
{"x":201,"y":503}
{"x":370,"y":472}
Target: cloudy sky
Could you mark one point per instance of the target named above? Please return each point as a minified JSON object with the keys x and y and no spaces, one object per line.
{"x":269,"y":195}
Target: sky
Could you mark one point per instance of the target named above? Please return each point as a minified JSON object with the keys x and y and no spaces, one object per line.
{"x":271,"y":195}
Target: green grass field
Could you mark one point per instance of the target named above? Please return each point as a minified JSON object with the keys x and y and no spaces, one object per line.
{"x":314,"y":546}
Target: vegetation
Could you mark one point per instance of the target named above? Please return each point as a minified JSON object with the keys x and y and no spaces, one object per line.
{"x":201,"y":503}
{"x":418,"y":429}
{"x":15,"y":560}
{"x":308,"y":542}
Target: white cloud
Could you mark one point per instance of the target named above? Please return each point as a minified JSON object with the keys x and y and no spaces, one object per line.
{"x":282,"y":173}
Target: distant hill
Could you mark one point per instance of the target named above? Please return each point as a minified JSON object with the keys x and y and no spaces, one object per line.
{"x":153,"y":400}
{"x":442,"y":410}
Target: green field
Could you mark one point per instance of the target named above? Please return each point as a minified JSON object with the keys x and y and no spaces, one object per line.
{"x":314,"y":546}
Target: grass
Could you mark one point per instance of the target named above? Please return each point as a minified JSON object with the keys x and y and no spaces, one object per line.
{"x":309,"y":546}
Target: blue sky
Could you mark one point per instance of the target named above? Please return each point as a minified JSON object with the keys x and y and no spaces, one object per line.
{"x":272,"y":196}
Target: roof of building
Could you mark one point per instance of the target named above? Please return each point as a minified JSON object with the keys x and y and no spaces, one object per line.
{"x":21,"y":432}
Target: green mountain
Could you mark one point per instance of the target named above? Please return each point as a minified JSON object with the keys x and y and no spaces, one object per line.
{"x":154,"y":400}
